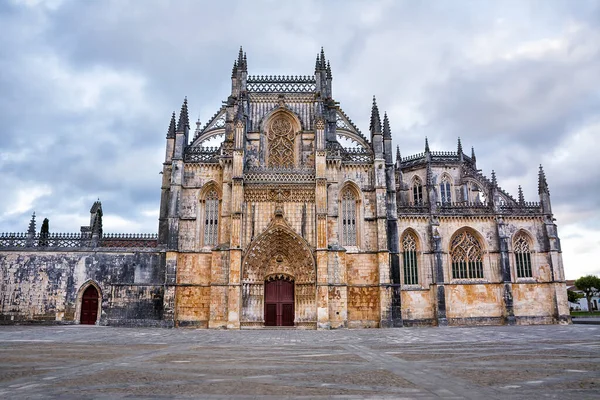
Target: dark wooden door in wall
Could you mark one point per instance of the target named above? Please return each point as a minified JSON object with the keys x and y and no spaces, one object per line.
{"x":279,"y":303}
{"x":89,"y":306}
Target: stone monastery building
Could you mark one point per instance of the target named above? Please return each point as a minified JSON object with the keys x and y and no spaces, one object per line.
{"x":298,"y":219}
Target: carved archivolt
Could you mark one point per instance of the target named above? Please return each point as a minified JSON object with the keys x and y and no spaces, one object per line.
{"x":281,"y":143}
{"x":279,"y":250}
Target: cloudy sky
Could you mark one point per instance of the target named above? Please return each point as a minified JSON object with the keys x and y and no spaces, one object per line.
{"x":87,"y":89}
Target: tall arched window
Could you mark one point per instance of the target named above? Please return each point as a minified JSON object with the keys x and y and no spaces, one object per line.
{"x":417,"y":191}
{"x":445,"y":195}
{"x":211,"y":218}
{"x":467,"y":256}
{"x":348,"y":214}
{"x":522,"y":256}
{"x":409,"y":253}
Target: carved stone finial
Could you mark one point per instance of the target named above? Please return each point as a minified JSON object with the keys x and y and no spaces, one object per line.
{"x":31,"y":229}
{"x":184,"y":119}
{"x":375,"y":126}
{"x":521,"y":197}
{"x":172,"y":127}
{"x":387,"y":132}
{"x":542,"y":184}
{"x":426,"y":145}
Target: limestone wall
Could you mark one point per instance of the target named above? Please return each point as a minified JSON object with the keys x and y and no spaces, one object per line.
{"x":46,"y":286}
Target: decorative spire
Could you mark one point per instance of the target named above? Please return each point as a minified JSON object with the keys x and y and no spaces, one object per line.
{"x":322,"y":64}
{"x":387,"y":133}
{"x":398,"y":156}
{"x":460,"y":150}
{"x":172,"y":127}
{"x":245,"y":62}
{"x":234,"y":69}
{"x":317,"y":63}
{"x":494,"y":181}
{"x":473,"y":154}
{"x":426,"y":145}
{"x":240,"y":59}
{"x":184,"y":120}
{"x":31,"y":229}
{"x":375,"y":120}
{"x":329,"y":71}
{"x":542,"y":184}
{"x":521,"y":197}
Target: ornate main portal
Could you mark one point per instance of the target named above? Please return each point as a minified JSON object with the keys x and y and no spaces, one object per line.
{"x":278,"y":279}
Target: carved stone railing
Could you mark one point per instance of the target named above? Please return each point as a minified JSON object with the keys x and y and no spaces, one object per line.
{"x":75,"y":240}
{"x":413,"y":208}
{"x":201,"y":154}
{"x":279,"y":175}
{"x":281,"y":84}
{"x":520,"y":208}
{"x":349,"y":155}
{"x":128,"y":240}
{"x":464,"y":208}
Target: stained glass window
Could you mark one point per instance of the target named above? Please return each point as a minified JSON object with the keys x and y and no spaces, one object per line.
{"x":211,"y":218}
{"x":348,"y":213}
{"x":409,"y":252}
{"x":522,"y":256}
{"x":467,"y":256}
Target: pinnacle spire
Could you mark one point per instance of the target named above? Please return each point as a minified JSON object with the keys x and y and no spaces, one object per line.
{"x":521,"y":197}
{"x":328,"y":71}
{"x":398,"y":156}
{"x":387,"y":133}
{"x":31,"y":229}
{"x":317,"y":63}
{"x":429,"y":175}
{"x":460,"y":149}
{"x":240,"y":59}
{"x":234,"y":69}
{"x":172,"y":127}
{"x":426,"y":145}
{"x":184,"y":120}
{"x":375,"y":119}
{"x":322,"y":64}
{"x":494,"y":181}
{"x":542,"y":184}
{"x":473,"y":153}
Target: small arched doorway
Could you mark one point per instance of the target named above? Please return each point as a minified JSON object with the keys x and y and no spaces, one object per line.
{"x":89,"y":306}
{"x":279,"y":301}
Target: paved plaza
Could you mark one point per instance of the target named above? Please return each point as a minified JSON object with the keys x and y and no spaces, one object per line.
{"x":521,"y":362}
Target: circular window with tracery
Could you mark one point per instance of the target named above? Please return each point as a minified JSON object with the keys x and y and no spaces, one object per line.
{"x":281,"y":143}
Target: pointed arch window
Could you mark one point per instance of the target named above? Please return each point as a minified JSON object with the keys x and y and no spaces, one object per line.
{"x":409,"y":254}
{"x":348,"y":214}
{"x":417,"y":191}
{"x":211,"y":218}
{"x":445,"y":195}
{"x":522,"y":256}
{"x":467,"y":256}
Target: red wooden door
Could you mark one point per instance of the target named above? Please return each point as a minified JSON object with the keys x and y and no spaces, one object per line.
{"x":89,"y":306}
{"x":279,"y":303}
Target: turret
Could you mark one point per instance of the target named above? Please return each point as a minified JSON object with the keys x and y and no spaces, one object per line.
{"x":375,"y":128}
{"x":544,"y":192}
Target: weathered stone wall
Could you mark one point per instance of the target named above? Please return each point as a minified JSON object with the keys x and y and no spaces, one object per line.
{"x":44,"y":286}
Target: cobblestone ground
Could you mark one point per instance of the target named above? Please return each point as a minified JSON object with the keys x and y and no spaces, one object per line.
{"x":522,"y":362}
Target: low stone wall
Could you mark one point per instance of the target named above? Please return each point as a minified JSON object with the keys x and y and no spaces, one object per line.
{"x":46,"y":286}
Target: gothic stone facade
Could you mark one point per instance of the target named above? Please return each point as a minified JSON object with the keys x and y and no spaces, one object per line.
{"x":296,"y":218}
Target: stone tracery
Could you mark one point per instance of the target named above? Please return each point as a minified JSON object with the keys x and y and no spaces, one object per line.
{"x":281,"y":143}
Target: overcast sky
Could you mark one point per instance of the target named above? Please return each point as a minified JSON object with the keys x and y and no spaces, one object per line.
{"x":87,"y":89}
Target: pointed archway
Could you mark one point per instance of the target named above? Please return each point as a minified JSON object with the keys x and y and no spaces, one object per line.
{"x":279,"y":254}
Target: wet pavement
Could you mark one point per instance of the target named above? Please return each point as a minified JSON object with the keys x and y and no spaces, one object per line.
{"x":503,"y":362}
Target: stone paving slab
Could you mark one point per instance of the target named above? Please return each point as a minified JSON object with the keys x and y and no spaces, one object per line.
{"x":503,"y":362}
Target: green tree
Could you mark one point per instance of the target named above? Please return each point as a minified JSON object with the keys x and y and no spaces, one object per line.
{"x":44,"y":233}
{"x":590,"y":286}
{"x":574,"y":296}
